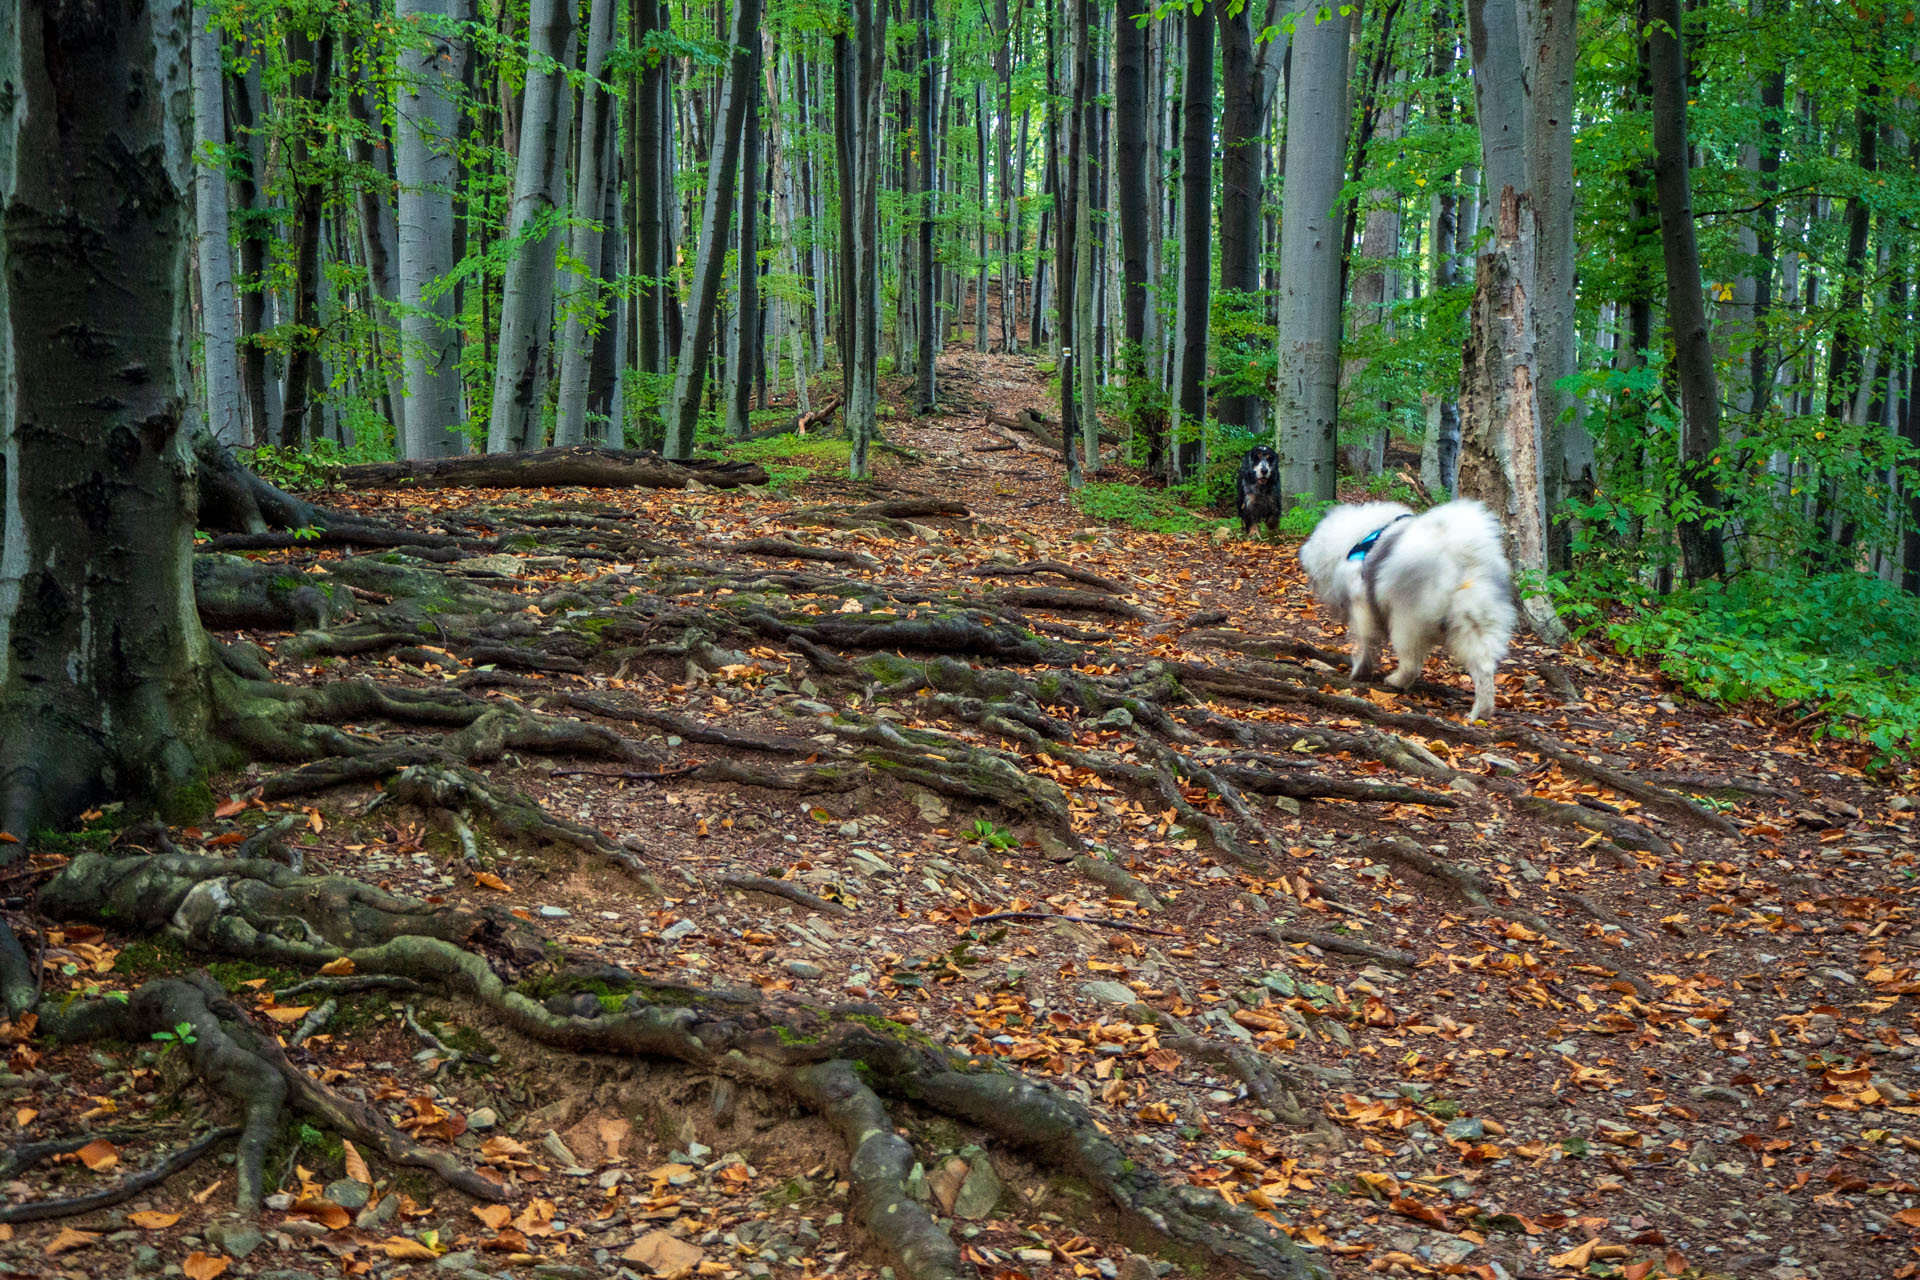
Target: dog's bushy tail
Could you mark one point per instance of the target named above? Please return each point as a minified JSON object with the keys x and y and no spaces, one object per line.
{"x":1480,"y":616}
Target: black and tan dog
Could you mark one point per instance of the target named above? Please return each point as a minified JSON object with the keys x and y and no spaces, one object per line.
{"x":1259,"y":490}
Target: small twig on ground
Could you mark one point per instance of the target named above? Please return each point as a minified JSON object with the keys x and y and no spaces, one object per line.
{"x":785,"y":889}
{"x":1102,"y":921}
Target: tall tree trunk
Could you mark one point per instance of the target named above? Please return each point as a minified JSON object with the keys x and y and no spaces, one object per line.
{"x":1248,"y":74}
{"x":256,"y":374}
{"x":980,"y":217}
{"x":1131,"y":173}
{"x":1500,"y":462}
{"x":1003,"y":74}
{"x":1374,"y":286}
{"x":425,"y":159}
{"x":652,"y":196}
{"x":1440,"y":454}
{"x":682,"y":410}
{"x":925,"y":52}
{"x":1196,"y":230}
{"x":539,"y":184}
{"x":374,"y":213}
{"x":106,"y":678}
{"x":747,"y":300}
{"x":219,"y":316}
{"x":1309,"y":336}
{"x":1701,"y":553}
{"x":604,"y":392}
{"x":1493,"y":28}
{"x":585,"y":312}
{"x":1085,"y":330}
{"x":859,"y":61}
{"x":1066,"y":245}
{"x":1550,"y":58}
{"x":313,"y":81}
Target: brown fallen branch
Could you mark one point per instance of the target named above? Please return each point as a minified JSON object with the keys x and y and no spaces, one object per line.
{"x":629,"y":775}
{"x":1102,"y":921}
{"x":1054,"y":568}
{"x":122,"y":1191}
{"x":785,"y":889}
{"x":786,"y":549}
{"x":1065,"y":598}
{"x":808,"y":421}
{"x":1343,"y":945}
{"x":542,"y":468}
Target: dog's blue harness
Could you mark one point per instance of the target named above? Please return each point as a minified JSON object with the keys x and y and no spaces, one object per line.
{"x":1365,"y":544}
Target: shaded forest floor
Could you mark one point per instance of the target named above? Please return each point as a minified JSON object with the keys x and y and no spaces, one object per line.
{"x":1620,"y":985}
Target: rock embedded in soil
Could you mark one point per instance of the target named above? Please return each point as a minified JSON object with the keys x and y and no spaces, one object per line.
{"x":349,"y":1193}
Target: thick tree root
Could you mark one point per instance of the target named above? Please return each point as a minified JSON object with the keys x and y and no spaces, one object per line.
{"x":800,"y":1049}
{"x":878,"y":1165}
{"x":1341,"y":944}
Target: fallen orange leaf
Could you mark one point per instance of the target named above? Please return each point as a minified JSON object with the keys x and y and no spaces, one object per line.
{"x":153,"y":1219}
{"x":99,"y":1155}
{"x":204,"y":1266}
{"x":70,"y":1239}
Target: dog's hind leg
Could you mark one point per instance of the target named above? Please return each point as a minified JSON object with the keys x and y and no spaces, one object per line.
{"x":1482,"y":692}
{"x":1360,"y":630}
{"x":1411,"y":645}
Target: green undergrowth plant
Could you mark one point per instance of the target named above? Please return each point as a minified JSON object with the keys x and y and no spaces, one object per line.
{"x":313,"y":467}
{"x":1839,"y":652}
{"x":791,"y":459}
{"x":1152,"y":510}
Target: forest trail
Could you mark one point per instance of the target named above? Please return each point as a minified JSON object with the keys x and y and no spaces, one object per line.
{"x":1618,"y":982}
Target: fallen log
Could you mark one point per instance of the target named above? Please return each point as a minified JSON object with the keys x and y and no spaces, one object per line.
{"x":541,"y":468}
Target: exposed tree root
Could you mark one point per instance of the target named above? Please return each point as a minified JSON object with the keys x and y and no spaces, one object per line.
{"x":1050,"y":568}
{"x":261,"y":912}
{"x":1342,"y":944}
{"x":580,"y":465}
{"x":785,"y":889}
{"x":878,"y":1165}
{"x":786,"y":549}
{"x":120,"y":1192}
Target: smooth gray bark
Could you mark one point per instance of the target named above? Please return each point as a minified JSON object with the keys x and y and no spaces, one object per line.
{"x":1701,"y":552}
{"x":105,"y":672}
{"x":1550,"y":56}
{"x":746,"y":311}
{"x":539,"y":181}
{"x":585,"y":315}
{"x":1308,"y":374}
{"x":682,"y":408}
{"x":425,"y":163}
{"x":219,"y":314}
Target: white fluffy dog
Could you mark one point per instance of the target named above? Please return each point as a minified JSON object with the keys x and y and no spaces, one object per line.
{"x":1420,"y":580}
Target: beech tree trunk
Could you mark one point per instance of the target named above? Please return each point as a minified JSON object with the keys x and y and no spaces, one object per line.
{"x":1085,"y":327}
{"x":586,"y":321}
{"x":1701,"y":553}
{"x":105,"y":674}
{"x":1551,"y":52}
{"x":1500,"y":462}
{"x":859,"y":60}
{"x":682,"y":410}
{"x":219,"y":314}
{"x":539,"y":178}
{"x":746,"y":347}
{"x":1248,"y":74}
{"x":1308,"y":406}
{"x":313,"y":80}
{"x":426,"y":170}
{"x":925,"y":49}
{"x":1196,"y":230}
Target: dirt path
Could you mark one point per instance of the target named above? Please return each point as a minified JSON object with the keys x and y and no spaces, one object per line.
{"x":1530,"y":1015}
